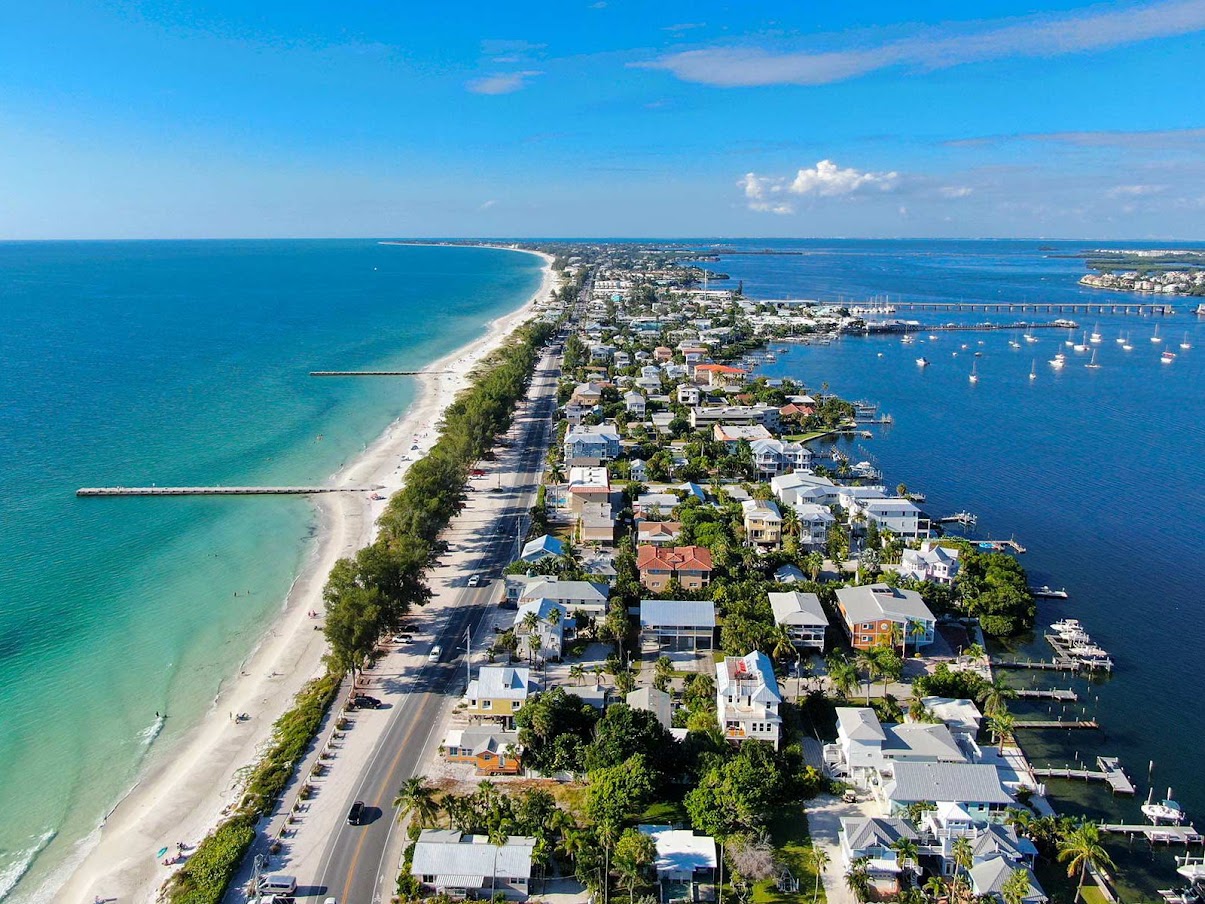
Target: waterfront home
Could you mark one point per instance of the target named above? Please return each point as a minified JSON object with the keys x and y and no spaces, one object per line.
{"x":747,"y":698}
{"x":793,"y":489}
{"x":690,"y":565}
{"x":686,"y":863}
{"x":542,"y":547}
{"x":460,"y":866}
{"x":930,"y":563}
{"x":875,"y":838}
{"x":588,"y":486}
{"x":735,"y":415}
{"x":976,"y":787}
{"x":814,"y":522}
{"x":867,"y":751}
{"x":773,"y":456}
{"x":546,"y":632}
{"x":634,"y":403}
{"x":803,"y":618}
{"x":657,"y":533}
{"x":876,"y":614}
{"x":730,"y":435}
{"x":587,"y":596}
{"x":586,"y":444}
{"x":900,"y":516}
{"x":677,"y":625}
{"x":498,"y":692}
{"x":763,"y":522}
{"x":961,"y":716}
{"x":654,"y":701}
{"x":988,"y":878}
{"x":490,"y":750}
{"x":688,"y":394}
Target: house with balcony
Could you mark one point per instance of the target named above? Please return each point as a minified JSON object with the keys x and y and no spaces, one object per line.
{"x":876,"y":614}
{"x":735,"y":415}
{"x":588,"y":596}
{"x":719,"y":376}
{"x":763,"y":522}
{"x":587,"y":395}
{"x":900,"y":516}
{"x":634,"y":403}
{"x":657,"y":533}
{"x":747,"y":698}
{"x":468,"y":866}
{"x":585,"y":444}
{"x":975,"y":787}
{"x":867,"y":751}
{"x":546,"y":633}
{"x":677,"y":625}
{"x":588,"y":486}
{"x":775,"y":456}
{"x":814,"y":521}
{"x":686,"y":863}
{"x":803,"y":618}
{"x":498,"y":692}
{"x":688,"y":394}
{"x":930,"y":563}
{"x":658,"y":565}
{"x":874,"y":838}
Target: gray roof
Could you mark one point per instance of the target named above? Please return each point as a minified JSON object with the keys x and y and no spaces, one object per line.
{"x":864,"y":832}
{"x":859,"y":723}
{"x":571,"y":591}
{"x":871,"y":602}
{"x":962,"y":782}
{"x":480,"y":738}
{"x":450,"y":856}
{"x":989,"y":876}
{"x":923,"y":739}
{"x":502,"y":682}
{"x":797,"y":609}
{"x":998,"y":839}
{"x":677,"y":613}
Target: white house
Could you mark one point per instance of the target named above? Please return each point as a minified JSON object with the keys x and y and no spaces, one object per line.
{"x":593,"y":443}
{"x":638,"y":470}
{"x":573,"y":595}
{"x":747,"y":698}
{"x":900,"y":516}
{"x":634,"y":403}
{"x":868,"y":751}
{"x":930,"y":563}
{"x":688,"y":394}
{"x":460,"y":865}
{"x":814,"y":523}
{"x":552,"y":622}
{"x":803,"y":617}
{"x":976,"y":787}
{"x":774,"y":456}
{"x":542,"y":547}
{"x":683,"y":858}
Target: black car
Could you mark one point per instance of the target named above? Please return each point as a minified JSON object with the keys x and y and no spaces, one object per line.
{"x":356,"y":814}
{"x":363,"y":701}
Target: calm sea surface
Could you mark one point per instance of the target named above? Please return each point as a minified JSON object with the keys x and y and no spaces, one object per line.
{"x":130,"y":363}
{"x":1099,"y":473}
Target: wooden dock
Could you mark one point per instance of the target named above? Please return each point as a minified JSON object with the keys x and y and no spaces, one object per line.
{"x":1065,"y":694}
{"x":1155,"y":834}
{"x":1042,"y":724}
{"x":1109,"y":771}
{"x":375,"y":373}
{"x":1058,"y":665}
{"x":219,"y":491}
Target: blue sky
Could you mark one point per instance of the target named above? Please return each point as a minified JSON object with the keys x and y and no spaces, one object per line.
{"x":619,"y":118}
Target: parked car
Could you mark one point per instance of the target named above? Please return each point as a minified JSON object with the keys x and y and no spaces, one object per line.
{"x":363,"y":701}
{"x":403,"y":638}
{"x":355,"y":815}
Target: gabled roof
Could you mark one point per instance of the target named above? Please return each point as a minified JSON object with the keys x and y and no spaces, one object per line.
{"x":797,"y":609}
{"x":539,"y":547}
{"x":866,"y":832}
{"x":481,"y":739}
{"x":752,"y":668}
{"x":573,"y":591}
{"x":543,"y":609}
{"x":924,"y":739}
{"x":446,"y":853}
{"x":988,"y":877}
{"x":962,"y":782}
{"x":998,"y":839}
{"x":719,"y":369}
{"x":495,"y":682}
{"x":859,"y":723}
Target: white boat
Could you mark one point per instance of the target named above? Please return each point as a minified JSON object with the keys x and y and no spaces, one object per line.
{"x":1095,"y":338}
{"x":1083,"y":345}
{"x":1013,"y":343}
{"x":1092,"y":364}
{"x":932,"y":336}
{"x":1057,"y":362}
{"x":1156,"y":338}
{"x":974,"y":376}
{"x":1070,"y":340}
{"x":1191,"y":868}
{"x":1033,"y":369}
{"x":922,"y":362}
{"x":1186,"y":343}
{"x":1126,"y":345}
{"x":1028,"y":338}
{"x":1167,"y":357}
{"x":1167,"y":810}
{"x":1120,"y":339}
{"x":1066,"y":624}
{"x":908,"y":339}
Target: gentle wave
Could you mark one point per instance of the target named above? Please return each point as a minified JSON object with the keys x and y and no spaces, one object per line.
{"x":11,"y":875}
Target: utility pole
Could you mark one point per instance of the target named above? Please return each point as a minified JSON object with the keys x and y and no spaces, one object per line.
{"x":468,"y":656}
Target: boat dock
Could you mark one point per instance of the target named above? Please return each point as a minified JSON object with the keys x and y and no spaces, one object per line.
{"x":1042,"y":724}
{"x":375,"y":373}
{"x":964,"y":518}
{"x":219,"y":491}
{"x":1109,"y":771}
{"x":1086,"y":655}
{"x":1001,"y":545}
{"x":1164,"y":834}
{"x":1058,"y":665}
{"x":1065,"y":694}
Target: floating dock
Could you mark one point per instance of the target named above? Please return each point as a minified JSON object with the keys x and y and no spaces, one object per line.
{"x":1109,"y":771}
{"x":1065,"y":694}
{"x":966,"y":518}
{"x":219,"y":491}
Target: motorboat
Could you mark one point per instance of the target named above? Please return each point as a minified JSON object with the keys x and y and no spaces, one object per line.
{"x":1192,"y":868}
{"x":922,"y":362}
{"x":1167,"y":357}
{"x":908,"y":339}
{"x":1166,"y":810}
{"x":1066,"y":624}
{"x":932,"y":337}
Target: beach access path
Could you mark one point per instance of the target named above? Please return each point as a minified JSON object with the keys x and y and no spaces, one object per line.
{"x":193,"y":783}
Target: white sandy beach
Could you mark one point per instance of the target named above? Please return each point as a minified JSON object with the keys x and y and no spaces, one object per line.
{"x":184,"y":794}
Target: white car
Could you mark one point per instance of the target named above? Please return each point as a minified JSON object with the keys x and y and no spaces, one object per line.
{"x":475,"y":581}
{"x":436,"y":652}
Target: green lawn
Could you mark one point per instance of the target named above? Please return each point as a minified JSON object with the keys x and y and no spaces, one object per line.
{"x":789,"y":832}
{"x":805,"y":437}
{"x":1093,"y":895}
{"x":664,"y":813}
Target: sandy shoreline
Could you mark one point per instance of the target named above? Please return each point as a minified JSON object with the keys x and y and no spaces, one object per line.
{"x":180,"y":798}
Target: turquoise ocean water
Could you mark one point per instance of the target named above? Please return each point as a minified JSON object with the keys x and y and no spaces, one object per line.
{"x":129,"y":363}
{"x":1099,"y":473}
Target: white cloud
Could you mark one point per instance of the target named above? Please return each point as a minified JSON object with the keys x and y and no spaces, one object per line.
{"x":771,"y":194}
{"x":940,"y":47}
{"x":954,"y":191}
{"x":487,"y":205}
{"x":1136,"y":191}
{"x":505,"y":83}
{"x":826,"y":179}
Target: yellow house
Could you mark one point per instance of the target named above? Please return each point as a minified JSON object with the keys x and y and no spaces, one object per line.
{"x":498,"y":692}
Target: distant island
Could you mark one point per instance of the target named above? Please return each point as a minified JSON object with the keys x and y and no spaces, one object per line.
{"x":1163,"y":272}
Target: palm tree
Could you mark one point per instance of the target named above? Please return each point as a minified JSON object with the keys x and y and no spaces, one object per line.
{"x":1016,"y":886}
{"x":814,"y":563}
{"x":964,"y":856}
{"x":498,"y":836}
{"x":995,"y":696}
{"x":1002,"y":726}
{"x":868,"y":664}
{"x":819,"y":860}
{"x":781,"y":644}
{"x":857,"y":878}
{"x":576,"y":672}
{"x":918,"y":630}
{"x":908,"y":853}
{"x":416,"y":798}
{"x":842,"y":675}
{"x":1081,"y":850}
{"x":935,"y":888}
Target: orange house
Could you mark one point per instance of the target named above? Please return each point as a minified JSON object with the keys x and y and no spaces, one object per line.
{"x":691,"y":565}
{"x":491,"y":752}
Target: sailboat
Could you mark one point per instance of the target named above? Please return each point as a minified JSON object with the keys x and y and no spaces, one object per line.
{"x":1186,"y":343}
{"x":922,"y":362}
{"x":1092,"y":364}
{"x":1156,"y":338}
{"x":1030,"y":338}
{"x":1033,"y":369}
{"x":1168,"y":357}
{"x":1013,"y":343}
{"x":1126,"y":345}
{"x":1095,"y":337}
{"x":1070,"y":340}
{"x":974,"y":376}
{"x":1083,"y":345}
{"x":1121,"y":338}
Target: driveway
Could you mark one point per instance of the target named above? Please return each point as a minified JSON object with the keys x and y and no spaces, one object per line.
{"x":824,"y":820}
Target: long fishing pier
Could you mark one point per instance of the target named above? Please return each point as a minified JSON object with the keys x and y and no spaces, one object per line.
{"x":376,"y":373}
{"x":1109,"y":771}
{"x":1048,"y":307}
{"x":220,"y":491}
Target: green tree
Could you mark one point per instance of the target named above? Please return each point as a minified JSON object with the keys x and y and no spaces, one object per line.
{"x":857,"y":878}
{"x":635,"y":854}
{"x":994,"y":695}
{"x":818,"y":859}
{"x":1016,"y":886}
{"x":415,"y":798}
{"x":624,"y":732}
{"x":1081,"y":850}
{"x":842,"y":674}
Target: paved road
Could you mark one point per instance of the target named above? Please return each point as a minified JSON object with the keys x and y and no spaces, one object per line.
{"x":359,"y":862}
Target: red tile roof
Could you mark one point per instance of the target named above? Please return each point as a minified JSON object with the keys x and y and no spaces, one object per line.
{"x":679,"y":558}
